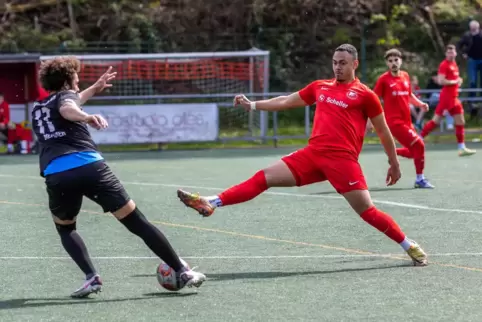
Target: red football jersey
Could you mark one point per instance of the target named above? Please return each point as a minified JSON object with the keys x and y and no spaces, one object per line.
{"x":4,"y":112}
{"x":395,"y":92}
{"x":341,"y":114}
{"x":451,"y":72}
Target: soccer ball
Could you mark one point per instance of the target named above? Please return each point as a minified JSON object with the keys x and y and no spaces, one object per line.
{"x":168,"y":278}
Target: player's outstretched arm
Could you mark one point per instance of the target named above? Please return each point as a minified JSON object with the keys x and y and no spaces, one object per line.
{"x":101,"y":84}
{"x":70,"y":111}
{"x":279,"y":103}
{"x":386,"y":138}
{"x":418,"y":103}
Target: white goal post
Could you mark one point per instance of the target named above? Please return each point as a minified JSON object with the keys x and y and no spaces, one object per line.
{"x":175,"y":74}
{"x":195,"y":77}
{"x":186,"y":78}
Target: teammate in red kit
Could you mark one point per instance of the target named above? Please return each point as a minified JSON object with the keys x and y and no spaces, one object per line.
{"x":395,"y":89}
{"x":343,"y":105}
{"x":448,"y":77}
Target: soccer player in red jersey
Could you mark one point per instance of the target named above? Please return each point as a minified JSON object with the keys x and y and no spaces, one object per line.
{"x":395,"y":89}
{"x":448,"y":77}
{"x":343,"y":105}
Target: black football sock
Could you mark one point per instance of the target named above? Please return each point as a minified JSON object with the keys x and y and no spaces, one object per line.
{"x":137,"y":224}
{"x":75,"y":247}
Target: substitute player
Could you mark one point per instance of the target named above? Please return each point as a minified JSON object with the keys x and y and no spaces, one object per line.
{"x":448,"y":77}
{"x":343,"y":105}
{"x":73,"y":168}
{"x":395,"y":89}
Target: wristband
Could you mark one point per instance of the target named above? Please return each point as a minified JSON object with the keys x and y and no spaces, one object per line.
{"x":253,"y":106}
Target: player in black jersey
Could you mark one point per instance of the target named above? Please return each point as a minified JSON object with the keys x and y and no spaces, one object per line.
{"x":73,"y":168}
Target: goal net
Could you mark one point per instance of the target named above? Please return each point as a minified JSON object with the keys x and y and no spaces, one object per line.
{"x":186,"y":78}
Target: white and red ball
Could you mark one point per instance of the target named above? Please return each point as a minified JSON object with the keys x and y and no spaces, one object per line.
{"x":168,"y":278}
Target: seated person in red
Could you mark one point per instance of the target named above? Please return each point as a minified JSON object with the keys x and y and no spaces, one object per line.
{"x":11,"y":133}
{"x":4,"y":118}
{"x":19,"y":134}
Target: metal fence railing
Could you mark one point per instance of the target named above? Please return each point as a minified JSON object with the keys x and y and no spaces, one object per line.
{"x":235,"y":124}
{"x":294,"y":124}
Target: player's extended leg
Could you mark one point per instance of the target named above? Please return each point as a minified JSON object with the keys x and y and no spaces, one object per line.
{"x":112,"y":197}
{"x":346,"y":176}
{"x":277,"y":175}
{"x":294,"y":169}
{"x":361,"y":202}
{"x":458,"y":114}
{"x":65,"y":203}
{"x":135,"y":221}
{"x":433,"y":123}
{"x":414,"y":148}
{"x":418,"y":151}
{"x":75,"y":247}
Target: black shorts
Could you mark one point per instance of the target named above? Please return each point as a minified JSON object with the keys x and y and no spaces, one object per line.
{"x":96,"y":181}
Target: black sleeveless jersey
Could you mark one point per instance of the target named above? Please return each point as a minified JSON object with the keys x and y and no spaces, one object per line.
{"x":56,"y":135}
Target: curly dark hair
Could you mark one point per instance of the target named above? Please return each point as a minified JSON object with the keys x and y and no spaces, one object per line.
{"x":57,"y":72}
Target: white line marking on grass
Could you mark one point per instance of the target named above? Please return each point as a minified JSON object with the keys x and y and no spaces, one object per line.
{"x":286,"y":194}
{"x":341,"y":256}
{"x":301,"y":195}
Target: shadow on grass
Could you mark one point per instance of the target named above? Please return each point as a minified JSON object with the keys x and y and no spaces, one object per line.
{"x":24,"y":303}
{"x":268,"y":275}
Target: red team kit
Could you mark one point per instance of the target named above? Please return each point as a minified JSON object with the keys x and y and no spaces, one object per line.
{"x":336,"y":141}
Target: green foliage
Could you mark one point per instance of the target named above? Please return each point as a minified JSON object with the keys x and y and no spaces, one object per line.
{"x":394,"y":25}
{"x":450,"y":10}
{"x":300,"y":34}
{"x":21,"y":38}
{"x":341,"y":35}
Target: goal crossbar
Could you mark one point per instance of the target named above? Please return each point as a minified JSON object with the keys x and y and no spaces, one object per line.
{"x":220,"y":54}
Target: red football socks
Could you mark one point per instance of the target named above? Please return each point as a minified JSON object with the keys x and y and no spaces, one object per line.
{"x":460,"y":133}
{"x":429,"y":127}
{"x":384,"y":223}
{"x":245,"y":191}
{"x":415,"y":152}
{"x":404,"y":152}
{"x":418,"y":152}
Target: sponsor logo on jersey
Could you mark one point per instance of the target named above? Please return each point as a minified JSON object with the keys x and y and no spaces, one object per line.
{"x":336,"y":102}
{"x":400,"y":93}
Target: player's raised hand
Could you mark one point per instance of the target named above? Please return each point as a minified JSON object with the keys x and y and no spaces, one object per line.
{"x":97,"y":121}
{"x":393,"y":175}
{"x":243,"y":101}
{"x":104,"y":81}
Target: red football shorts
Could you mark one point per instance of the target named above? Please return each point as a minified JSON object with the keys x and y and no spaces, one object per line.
{"x":452,"y":105}
{"x":310,"y":166}
{"x":404,"y":134}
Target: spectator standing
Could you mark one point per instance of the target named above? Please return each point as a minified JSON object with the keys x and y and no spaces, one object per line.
{"x":470,"y":45}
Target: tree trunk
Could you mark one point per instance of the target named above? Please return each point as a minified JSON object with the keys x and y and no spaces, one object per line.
{"x":72,"y":23}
